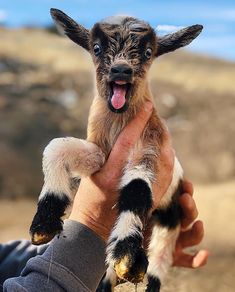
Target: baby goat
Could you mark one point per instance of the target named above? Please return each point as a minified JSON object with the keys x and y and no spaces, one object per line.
{"x":123,"y":49}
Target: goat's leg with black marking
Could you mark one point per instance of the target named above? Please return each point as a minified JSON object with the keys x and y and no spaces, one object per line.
{"x":160,"y":255}
{"x":125,"y":251}
{"x":65,"y":160}
{"x":166,"y":221}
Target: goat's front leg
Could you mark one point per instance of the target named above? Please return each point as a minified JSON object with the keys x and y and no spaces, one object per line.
{"x":65,"y":161}
{"x":125,"y":248}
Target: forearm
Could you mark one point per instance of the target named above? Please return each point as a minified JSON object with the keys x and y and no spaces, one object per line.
{"x":72,"y":262}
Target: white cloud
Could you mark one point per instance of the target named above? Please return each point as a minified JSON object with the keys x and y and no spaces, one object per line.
{"x":165,"y":28}
{"x":3,"y":15}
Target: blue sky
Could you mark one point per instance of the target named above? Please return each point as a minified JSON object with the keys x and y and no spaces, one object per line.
{"x":218,"y":17}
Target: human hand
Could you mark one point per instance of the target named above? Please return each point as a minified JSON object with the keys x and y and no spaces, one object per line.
{"x":97,"y":195}
{"x":189,"y":236}
{"x":98,"y":212}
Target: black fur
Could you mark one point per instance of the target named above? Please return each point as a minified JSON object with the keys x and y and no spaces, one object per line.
{"x":153,"y":285}
{"x":128,"y":245}
{"x":136,"y":197}
{"x":98,"y":36}
{"x":171,"y":215}
{"x":148,"y":40}
{"x":47,"y":220}
{"x":181,"y":38}
{"x":76,"y":32}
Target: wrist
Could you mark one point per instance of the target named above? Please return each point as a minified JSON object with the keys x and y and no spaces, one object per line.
{"x":100,"y":229}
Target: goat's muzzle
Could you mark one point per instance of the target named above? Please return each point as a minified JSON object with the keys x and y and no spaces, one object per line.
{"x":120,"y":83}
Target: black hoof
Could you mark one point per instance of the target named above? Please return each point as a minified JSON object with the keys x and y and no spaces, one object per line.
{"x":47,"y":221}
{"x":153,"y":285}
{"x":131,"y":263}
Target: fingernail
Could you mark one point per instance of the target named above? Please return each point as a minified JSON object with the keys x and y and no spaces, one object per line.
{"x":148,"y":106}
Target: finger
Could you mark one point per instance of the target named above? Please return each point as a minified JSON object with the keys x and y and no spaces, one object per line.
{"x":189,"y":209}
{"x":191,"y":237}
{"x":188,"y":187}
{"x":200,"y":259}
{"x":192,"y":261}
{"x":127,"y":139}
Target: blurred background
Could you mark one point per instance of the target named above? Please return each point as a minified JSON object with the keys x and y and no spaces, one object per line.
{"x":46,"y":88}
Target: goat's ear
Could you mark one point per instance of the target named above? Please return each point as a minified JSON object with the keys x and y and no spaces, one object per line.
{"x":181,"y":38}
{"x":76,"y":32}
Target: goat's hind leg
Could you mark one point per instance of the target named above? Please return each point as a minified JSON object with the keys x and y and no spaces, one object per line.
{"x":65,"y":160}
{"x":125,"y":248}
{"x":166,"y":221}
{"x":160,"y":254}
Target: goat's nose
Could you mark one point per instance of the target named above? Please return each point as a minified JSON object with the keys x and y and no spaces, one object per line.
{"x":121,"y":69}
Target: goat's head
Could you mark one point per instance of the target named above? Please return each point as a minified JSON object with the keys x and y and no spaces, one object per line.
{"x":122,"y":49}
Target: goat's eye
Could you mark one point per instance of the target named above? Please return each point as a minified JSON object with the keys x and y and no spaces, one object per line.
{"x":97,"y":49}
{"x":148,"y":53}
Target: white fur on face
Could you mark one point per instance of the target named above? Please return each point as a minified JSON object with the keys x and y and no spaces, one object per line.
{"x":115,"y":19}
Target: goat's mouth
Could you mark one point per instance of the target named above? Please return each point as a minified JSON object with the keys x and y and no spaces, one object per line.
{"x":119,"y":96}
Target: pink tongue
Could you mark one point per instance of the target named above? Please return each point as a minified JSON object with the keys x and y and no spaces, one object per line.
{"x":118,"y":99}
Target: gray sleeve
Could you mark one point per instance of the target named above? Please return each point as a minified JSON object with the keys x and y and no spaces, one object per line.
{"x":75,"y":261}
{"x":14,"y":256}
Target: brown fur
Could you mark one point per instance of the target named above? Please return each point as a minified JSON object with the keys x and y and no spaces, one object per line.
{"x":123,"y":40}
{"x":104,"y":127}
{"x":124,"y":47}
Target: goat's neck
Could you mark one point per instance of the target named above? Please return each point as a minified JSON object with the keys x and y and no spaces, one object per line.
{"x":104,"y":126}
